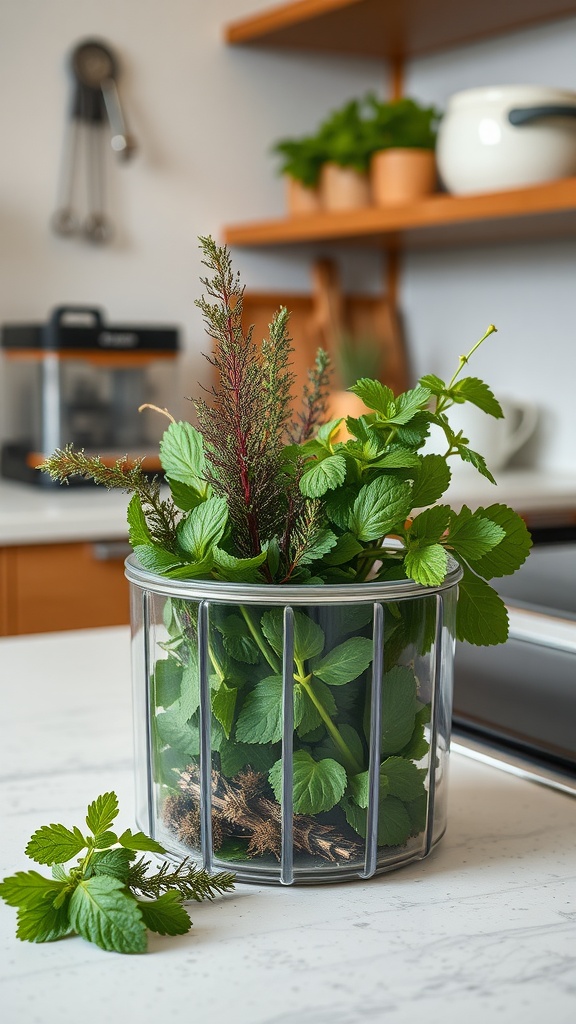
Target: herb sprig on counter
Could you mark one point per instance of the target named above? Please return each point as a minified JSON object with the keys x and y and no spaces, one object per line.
{"x":109,"y":897}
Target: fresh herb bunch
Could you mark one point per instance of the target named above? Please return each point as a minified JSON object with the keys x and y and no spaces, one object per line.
{"x":255,"y":499}
{"x":108,"y":897}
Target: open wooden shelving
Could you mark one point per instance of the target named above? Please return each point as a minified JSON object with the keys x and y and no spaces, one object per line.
{"x":394,"y":29}
{"x":541,"y":211}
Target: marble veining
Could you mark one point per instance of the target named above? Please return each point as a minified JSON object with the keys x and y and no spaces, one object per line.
{"x":484,"y":930}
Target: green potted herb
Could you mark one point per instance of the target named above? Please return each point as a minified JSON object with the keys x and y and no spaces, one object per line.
{"x":403,"y":138}
{"x":295,"y":603}
{"x":300,"y":163}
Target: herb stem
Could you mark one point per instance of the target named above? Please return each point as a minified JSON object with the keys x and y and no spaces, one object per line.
{"x":351,"y":764}
{"x":465,"y":359}
{"x":263,"y":647}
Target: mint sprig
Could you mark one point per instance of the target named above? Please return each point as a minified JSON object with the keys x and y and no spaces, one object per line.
{"x":108,"y":897}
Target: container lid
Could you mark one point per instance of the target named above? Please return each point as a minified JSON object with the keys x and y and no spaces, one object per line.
{"x":533,"y":95}
{"x":216,"y":591}
{"x":81,"y":328}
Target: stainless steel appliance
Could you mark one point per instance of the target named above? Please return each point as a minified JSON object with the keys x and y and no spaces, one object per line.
{"x":76,"y":379}
{"x":516,"y":704}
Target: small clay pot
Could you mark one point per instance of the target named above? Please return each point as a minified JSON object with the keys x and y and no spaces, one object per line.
{"x":301,"y":200}
{"x":343,"y":188}
{"x":401,"y":175}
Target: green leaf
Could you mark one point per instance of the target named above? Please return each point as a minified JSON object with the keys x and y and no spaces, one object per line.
{"x":323,"y":476}
{"x":157,"y":559}
{"x":308,"y":714}
{"x":431,"y":524}
{"x":319,"y":545}
{"x":473,"y":535}
{"x":380,"y":505}
{"x":399,"y":708}
{"x":104,"y":840}
{"x":476,"y":460}
{"x":138,"y":532}
{"x":260,"y":720}
{"x":138,"y":841}
{"x":374,"y":395}
{"x":43,"y":922}
{"x":167,"y":682}
{"x":394,"y":824}
{"x":430,"y":480}
{"x":328,"y":748}
{"x":481,"y":616}
{"x":435,"y":385}
{"x":184,"y":496}
{"x":234,"y":756}
{"x":102,"y":912}
{"x":339,"y":506}
{"x":410,"y":403}
{"x":345,"y":662}
{"x":190,"y":688}
{"x":223,"y":706}
{"x":318,"y":785}
{"x":165,"y":915}
{"x":513,"y":549}
{"x":182,"y":456}
{"x":327,"y":433}
{"x":238,"y":570}
{"x":360,"y":789}
{"x":308,"y":636}
{"x":427,"y":565}
{"x":345,"y":548}
{"x":30,"y":889}
{"x":115,"y":863}
{"x":203,"y":527}
{"x":403,"y":778}
{"x":55,"y":844}
{"x":237,"y":641}
{"x":397,"y":458}
{"x":475,"y":391}
{"x":101,"y":813}
{"x":415,"y":432}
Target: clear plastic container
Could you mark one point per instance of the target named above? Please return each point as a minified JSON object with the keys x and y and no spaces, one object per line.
{"x":292,"y":733}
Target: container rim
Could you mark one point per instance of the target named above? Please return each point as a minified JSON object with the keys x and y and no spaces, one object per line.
{"x":286,"y":594}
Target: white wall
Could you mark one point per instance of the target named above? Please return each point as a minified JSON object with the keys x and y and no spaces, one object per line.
{"x":205,"y":116}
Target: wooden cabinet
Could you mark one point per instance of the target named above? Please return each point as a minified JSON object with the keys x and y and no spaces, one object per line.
{"x":397,"y":30}
{"x":48,"y":587}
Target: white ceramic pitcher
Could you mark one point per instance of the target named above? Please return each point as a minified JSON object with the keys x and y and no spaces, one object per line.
{"x":496,"y":439}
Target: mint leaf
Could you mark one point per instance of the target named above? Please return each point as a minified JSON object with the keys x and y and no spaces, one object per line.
{"x":104,"y":840}
{"x":184,"y":496}
{"x":320,"y":544}
{"x":473,"y":535}
{"x":102,"y":912}
{"x":339,"y":506}
{"x":237,"y":641}
{"x":345,"y":548}
{"x":327,"y":432}
{"x":43,"y":922}
{"x":434,"y":384}
{"x":115,"y":863}
{"x":234,"y":756}
{"x":203,"y":527}
{"x":323,"y":476}
{"x":410,"y":403}
{"x":223,"y":706}
{"x":101,"y":813}
{"x":375,"y":395}
{"x":328,"y":748}
{"x":345,"y":662}
{"x":427,"y":565}
{"x":318,"y":785}
{"x":359,"y":788}
{"x":397,"y":458}
{"x":138,"y":532}
{"x":138,"y":841}
{"x":394,"y":824}
{"x":156,"y":559}
{"x":380,"y":505}
{"x":30,"y":888}
{"x":55,"y":844}
{"x":167,"y":682}
{"x":182,"y":456}
{"x":430,"y":480}
{"x":481,"y":616}
{"x":475,"y":391}
{"x":476,"y":460}
{"x":398,"y":708}
{"x":309,"y":717}
{"x":165,"y":915}
{"x":260,"y":720}
{"x":403,"y":778}
{"x":237,"y":570}
{"x":512,"y":551}
{"x":431,"y":524}
{"x":308,"y":636}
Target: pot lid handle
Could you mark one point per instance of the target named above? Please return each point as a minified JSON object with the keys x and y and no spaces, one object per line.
{"x":525,"y":115}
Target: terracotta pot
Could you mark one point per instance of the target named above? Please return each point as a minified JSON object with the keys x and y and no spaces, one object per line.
{"x":402,"y":175}
{"x":343,"y":188}
{"x":301,"y":200}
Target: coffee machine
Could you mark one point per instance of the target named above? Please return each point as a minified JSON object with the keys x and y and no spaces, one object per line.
{"x":78,"y":380}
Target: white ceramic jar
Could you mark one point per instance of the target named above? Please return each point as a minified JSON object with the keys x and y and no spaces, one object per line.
{"x":506,"y":137}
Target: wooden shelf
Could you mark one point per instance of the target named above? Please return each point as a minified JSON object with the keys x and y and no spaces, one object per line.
{"x":394,"y":29}
{"x":541,"y":211}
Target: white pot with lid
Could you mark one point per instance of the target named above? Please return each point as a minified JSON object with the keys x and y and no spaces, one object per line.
{"x":507,"y":136}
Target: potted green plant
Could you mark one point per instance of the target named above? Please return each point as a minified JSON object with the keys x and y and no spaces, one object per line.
{"x":403,"y":138}
{"x":345,"y":140}
{"x":295,"y":605}
{"x":300,"y":163}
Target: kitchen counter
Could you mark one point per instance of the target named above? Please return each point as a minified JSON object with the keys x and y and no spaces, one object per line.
{"x":485,"y":929}
{"x":37,"y":515}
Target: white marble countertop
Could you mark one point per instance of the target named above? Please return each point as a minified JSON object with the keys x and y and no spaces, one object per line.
{"x":484,"y":930}
{"x":39,"y":515}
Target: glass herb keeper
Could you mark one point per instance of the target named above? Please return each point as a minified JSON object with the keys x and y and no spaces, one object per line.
{"x":292,"y":734}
